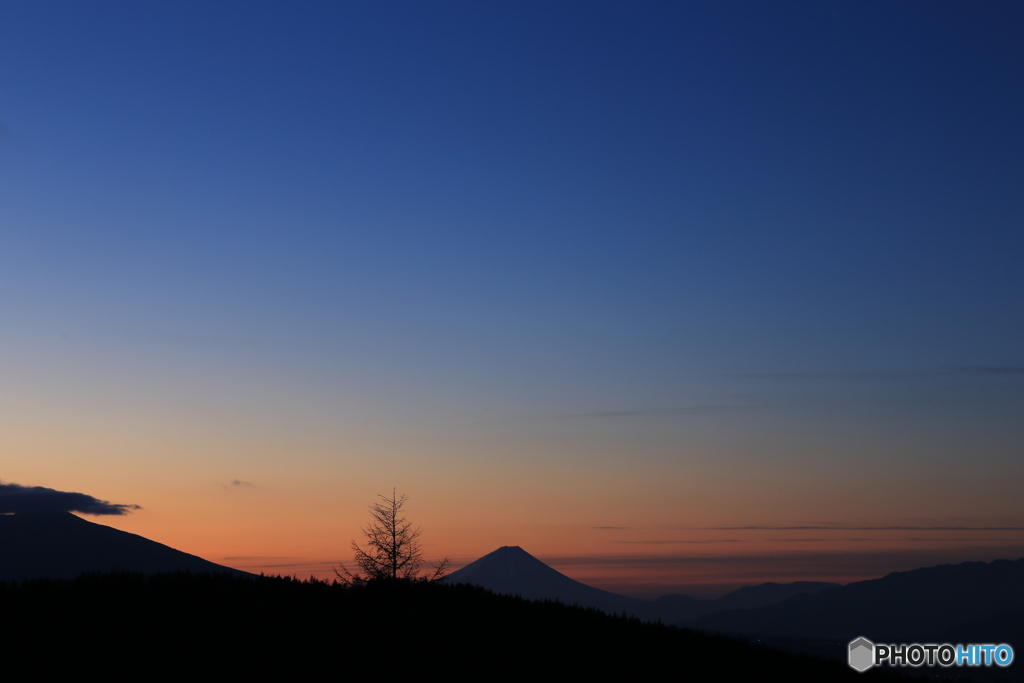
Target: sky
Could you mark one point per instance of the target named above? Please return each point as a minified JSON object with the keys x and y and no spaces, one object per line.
{"x":675,"y":296}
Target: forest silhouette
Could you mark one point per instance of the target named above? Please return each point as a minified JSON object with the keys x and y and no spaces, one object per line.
{"x":234,"y":625}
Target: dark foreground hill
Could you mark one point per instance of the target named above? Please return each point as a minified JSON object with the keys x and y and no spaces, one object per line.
{"x":61,"y":545}
{"x":228,"y":626}
{"x":914,"y":606}
{"x":973,"y":602}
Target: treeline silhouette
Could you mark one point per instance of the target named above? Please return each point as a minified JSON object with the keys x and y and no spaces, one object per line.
{"x":235,"y":625}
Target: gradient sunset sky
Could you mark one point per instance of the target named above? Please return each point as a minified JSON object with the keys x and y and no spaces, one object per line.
{"x":675,"y":296}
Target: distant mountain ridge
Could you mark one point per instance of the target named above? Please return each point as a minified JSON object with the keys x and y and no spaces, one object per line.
{"x":910,"y":606}
{"x":61,"y":545}
{"x":747,"y":597}
{"x":513,"y":571}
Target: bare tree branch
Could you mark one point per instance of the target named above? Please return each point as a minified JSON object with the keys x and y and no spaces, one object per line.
{"x":392,"y":548}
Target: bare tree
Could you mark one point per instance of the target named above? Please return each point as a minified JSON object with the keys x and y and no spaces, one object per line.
{"x":393,"y":549}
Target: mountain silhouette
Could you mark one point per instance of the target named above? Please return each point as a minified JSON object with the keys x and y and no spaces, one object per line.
{"x":61,"y":545}
{"x":902,"y":606}
{"x":511,"y":570}
{"x":677,"y":606}
{"x":769,"y":593}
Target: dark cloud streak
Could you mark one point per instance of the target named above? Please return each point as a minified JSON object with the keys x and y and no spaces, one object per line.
{"x":18,"y":499}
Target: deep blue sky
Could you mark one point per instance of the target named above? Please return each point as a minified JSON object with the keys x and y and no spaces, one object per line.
{"x":803,"y":219}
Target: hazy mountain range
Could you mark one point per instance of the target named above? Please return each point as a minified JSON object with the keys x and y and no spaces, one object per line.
{"x":513,"y":571}
{"x":947,"y":602}
{"x":973,"y":602}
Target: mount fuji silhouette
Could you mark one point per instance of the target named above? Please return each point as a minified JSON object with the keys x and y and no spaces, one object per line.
{"x":513,"y":571}
{"x":62,"y":546}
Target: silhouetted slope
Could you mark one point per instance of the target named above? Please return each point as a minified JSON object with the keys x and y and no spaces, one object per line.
{"x":510,"y":570}
{"x":761,"y":595}
{"x":1004,"y":627}
{"x":677,"y":606}
{"x":61,"y":545}
{"x":911,"y":605}
{"x":683,"y":606}
{"x":220,"y":626}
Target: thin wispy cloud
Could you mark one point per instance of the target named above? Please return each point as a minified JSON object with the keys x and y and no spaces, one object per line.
{"x":856,"y":528}
{"x":314,"y":565}
{"x":789,"y":562}
{"x":900,"y":539}
{"x":994,"y":370}
{"x":655,"y":412}
{"x":212,"y":341}
{"x":685,"y":542}
{"x":1011,"y":371}
{"x":978,"y":370}
{"x":817,"y":540}
{"x":963,"y":539}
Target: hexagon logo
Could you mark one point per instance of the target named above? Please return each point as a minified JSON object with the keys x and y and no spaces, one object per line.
{"x":862,"y":654}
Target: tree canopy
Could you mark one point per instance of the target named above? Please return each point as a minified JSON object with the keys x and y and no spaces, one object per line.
{"x":392,"y":549}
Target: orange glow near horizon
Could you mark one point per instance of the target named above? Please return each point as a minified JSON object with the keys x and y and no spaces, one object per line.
{"x":267,"y":500}
{"x":645,"y":561}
